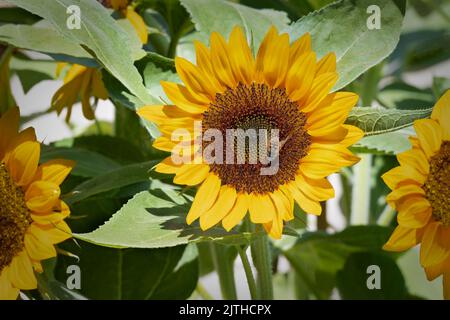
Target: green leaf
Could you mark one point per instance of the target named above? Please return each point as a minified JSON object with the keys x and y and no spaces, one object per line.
{"x":157,"y":219}
{"x":317,"y":257}
{"x":88,"y":163}
{"x":341,"y":27}
{"x":221,"y":16}
{"x":377,"y":120}
{"x":99,"y":33}
{"x":114,"y":179}
{"x":353,"y":279}
{"x":45,"y":40}
{"x":139,"y":274}
{"x":31,"y":72}
{"x":17,"y":16}
{"x":390,"y":143}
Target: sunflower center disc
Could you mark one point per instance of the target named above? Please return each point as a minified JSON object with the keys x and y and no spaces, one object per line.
{"x":262,"y":109}
{"x":437,"y":185}
{"x":14,"y":218}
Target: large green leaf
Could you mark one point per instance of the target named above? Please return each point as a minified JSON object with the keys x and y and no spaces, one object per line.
{"x":88,"y":163}
{"x":353,"y":279}
{"x":386,"y":143}
{"x":156,"y":219}
{"x":42,"y":39}
{"x":317,"y":257}
{"x":99,"y":32}
{"x":114,"y":179}
{"x":378,"y":120}
{"x":221,"y":16}
{"x":140,"y":274}
{"x":341,"y":27}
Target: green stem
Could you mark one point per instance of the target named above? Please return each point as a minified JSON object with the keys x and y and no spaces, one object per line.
{"x":361,"y":191}
{"x":248,"y":273}
{"x":224,"y":267}
{"x":262,"y":259}
{"x":386,"y":216}
{"x":202,"y":292}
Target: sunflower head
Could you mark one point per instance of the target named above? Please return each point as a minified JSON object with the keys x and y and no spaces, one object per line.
{"x":279,"y":99}
{"x":31,"y":213}
{"x":421,"y":194}
{"x":80,"y":84}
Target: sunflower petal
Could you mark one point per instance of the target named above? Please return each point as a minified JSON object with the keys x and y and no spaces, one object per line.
{"x":221,"y":208}
{"x":204,"y":199}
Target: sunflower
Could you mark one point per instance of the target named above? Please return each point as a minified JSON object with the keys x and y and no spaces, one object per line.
{"x":31,"y":213}
{"x":123,"y":7}
{"x":284,"y":88}
{"x":421,"y":194}
{"x":80,"y":83}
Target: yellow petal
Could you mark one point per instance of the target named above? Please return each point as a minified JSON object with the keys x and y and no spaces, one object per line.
{"x":23,"y":162}
{"x":441,"y":113}
{"x":275,"y":65}
{"x":403,"y":239}
{"x":138,"y":24}
{"x":430,"y":135}
{"x":42,"y":196}
{"x":301,"y":46}
{"x":241,"y":58}
{"x":191,"y":174}
{"x":221,"y":208}
{"x":307,"y":204}
{"x":194,"y":79}
{"x":404,"y":191}
{"x":300,"y":76}
{"x":262,"y":209}
{"x":205,"y":198}
{"x":435,"y":244}
{"x":55,"y":171}
{"x":183,"y":99}
{"x":415,"y":158}
{"x":317,"y":190}
{"x":331,"y":114}
{"x":167,"y":166}
{"x":404,"y":173}
{"x":220,"y":61}
{"x":326,"y":64}
{"x":97,"y":87}
{"x":414,"y":213}
{"x":435,"y":271}
{"x":237,"y":213}
{"x":320,"y":88}
{"x":38,"y":249}
{"x":7,"y":291}
{"x":55,"y":234}
{"x":21,"y":273}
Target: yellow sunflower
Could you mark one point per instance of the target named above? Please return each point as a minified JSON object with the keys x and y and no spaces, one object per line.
{"x":421,"y":194}
{"x":80,"y":83}
{"x":284,"y":88}
{"x":135,"y":19}
{"x":31,"y":213}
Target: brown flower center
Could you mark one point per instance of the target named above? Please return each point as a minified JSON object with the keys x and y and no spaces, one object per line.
{"x":437,"y":185}
{"x":276,"y":121}
{"x":14,"y":218}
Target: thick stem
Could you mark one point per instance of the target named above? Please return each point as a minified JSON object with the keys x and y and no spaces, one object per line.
{"x":248,"y":273}
{"x":224,"y":267}
{"x":262,"y":259}
{"x":361,"y":191}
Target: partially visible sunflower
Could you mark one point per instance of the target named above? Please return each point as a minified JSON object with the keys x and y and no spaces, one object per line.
{"x":421,"y":194}
{"x":124,"y":8}
{"x":284,"y":88}
{"x":80,"y":83}
{"x":31,"y":212}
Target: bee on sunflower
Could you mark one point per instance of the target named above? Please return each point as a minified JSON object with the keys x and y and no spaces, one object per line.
{"x":31,"y":211}
{"x":285,"y":88}
{"x":421,"y":194}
